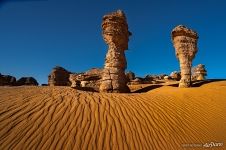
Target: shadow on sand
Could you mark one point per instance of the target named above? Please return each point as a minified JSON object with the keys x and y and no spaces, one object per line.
{"x":200,"y":83}
{"x":146,"y":89}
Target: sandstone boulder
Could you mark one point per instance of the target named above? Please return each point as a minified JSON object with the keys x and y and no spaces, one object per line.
{"x":59,"y":77}
{"x":27,"y":81}
{"x":7,"y":80}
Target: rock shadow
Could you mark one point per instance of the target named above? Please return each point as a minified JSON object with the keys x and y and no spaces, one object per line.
{"x":202,"y":82}
{"x":146,"y":89}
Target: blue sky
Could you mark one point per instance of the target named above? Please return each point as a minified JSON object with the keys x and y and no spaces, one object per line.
{"x":37,"y":35}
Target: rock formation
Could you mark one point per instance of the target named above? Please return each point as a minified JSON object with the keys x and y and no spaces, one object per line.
{"x":116,"y":35}
{"x":185,"y":43}
{"x":199,"y":72}
{"x":130,"y":76}
{"x":59,"y":77}
{"x":90,"y":79}
{"x":27,"y":81}
{"x":175,"y":75}
{"x":7,"y":80}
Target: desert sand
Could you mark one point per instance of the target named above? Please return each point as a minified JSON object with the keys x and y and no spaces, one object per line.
{"x":164,"y":117}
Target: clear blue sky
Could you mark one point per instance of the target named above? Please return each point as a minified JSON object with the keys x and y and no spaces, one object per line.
{"x":37,"y":35}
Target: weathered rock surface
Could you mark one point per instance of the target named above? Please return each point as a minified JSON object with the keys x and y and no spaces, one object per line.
{"x":59,"y":77}
{"x":175,"y":75}
{"x":90,"y":79}
{"x":199,"y":72}
{"x":7,"y":80}
{"x":116,"y":35}
{"x":130,"y":76}
{"x":136,"y":81}
{"x":185,"y":44}
{"x":27,"y":81}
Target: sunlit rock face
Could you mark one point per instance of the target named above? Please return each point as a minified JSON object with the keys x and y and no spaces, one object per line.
{"x":116,"y":35}
{"x":199,"y":72}
{"x":185,"y":43}
{"x":59,"y":77}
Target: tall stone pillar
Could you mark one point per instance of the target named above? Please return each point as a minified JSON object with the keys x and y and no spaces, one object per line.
{"x":116,"y":35}
{"x":185,"y":43}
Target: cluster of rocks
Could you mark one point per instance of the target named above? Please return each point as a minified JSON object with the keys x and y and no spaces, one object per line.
{"x":175,"y":75}
{"x":62,"y":77}
{"x":113,"y":78}
{"x":7,"y":80}
{"x":90,"y":79}
{"x":185,"y":43}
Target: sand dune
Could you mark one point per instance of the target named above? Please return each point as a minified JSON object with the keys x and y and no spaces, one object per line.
{"x":63,"y":118}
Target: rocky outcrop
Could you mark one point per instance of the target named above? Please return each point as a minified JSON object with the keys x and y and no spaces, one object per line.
{"x":130,"y":76}
{"x":116,"y":35}
{"x":199,"y":72}
{"x":27,"y":81}
{"x":185,"y":43}
{"x":7,"y":80}
{"x":59,"y":77}
{"x":90,"y":79}
{"x":136,"y":81}
{"x":175,"y":75}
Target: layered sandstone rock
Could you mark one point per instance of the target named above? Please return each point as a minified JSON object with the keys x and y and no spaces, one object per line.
{"x":7,"y":80}
{"x":185,"y":43}
{"x":59,"y":77}
{"x":27,"y":81}
{"x":90,"y":79}
{"x":199,"y":72}
{"x":116,"y":35}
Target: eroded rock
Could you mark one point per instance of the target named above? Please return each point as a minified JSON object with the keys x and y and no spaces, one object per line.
{"x":7,"y":80}
{"x":185,"y":44}
{"x":116,"y":35}
{"x":27,"y":81}
{"x":59,"y":77}
{"x":199,"y":72}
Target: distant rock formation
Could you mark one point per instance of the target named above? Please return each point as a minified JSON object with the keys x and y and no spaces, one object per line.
{"x":90,"y":79}
{"x":27,"y":81}
{"x":185,"y":43}
{"x":116,"y":35}
{"x":7,"y":80}
{"x":175,"y":75}
{"x":59,"y":77}
{"x":199,"y":72}
{"x":136,"y":81}
{"x":130,"y":76}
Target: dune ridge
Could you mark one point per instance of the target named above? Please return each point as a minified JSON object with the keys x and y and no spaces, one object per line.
{"x":64,"y":118}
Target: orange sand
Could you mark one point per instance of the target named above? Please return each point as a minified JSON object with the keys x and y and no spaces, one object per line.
{"x":163,"y":118}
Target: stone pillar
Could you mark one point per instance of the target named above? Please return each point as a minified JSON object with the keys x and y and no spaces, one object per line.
{"x":116,"y":35}
{"x":185,"y":43}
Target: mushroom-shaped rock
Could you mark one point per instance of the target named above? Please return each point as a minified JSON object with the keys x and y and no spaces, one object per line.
{"x":116,"y":35}
{"x":199,"y":72}
{"x":185,"y":44}
{"x":59,"y":77}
